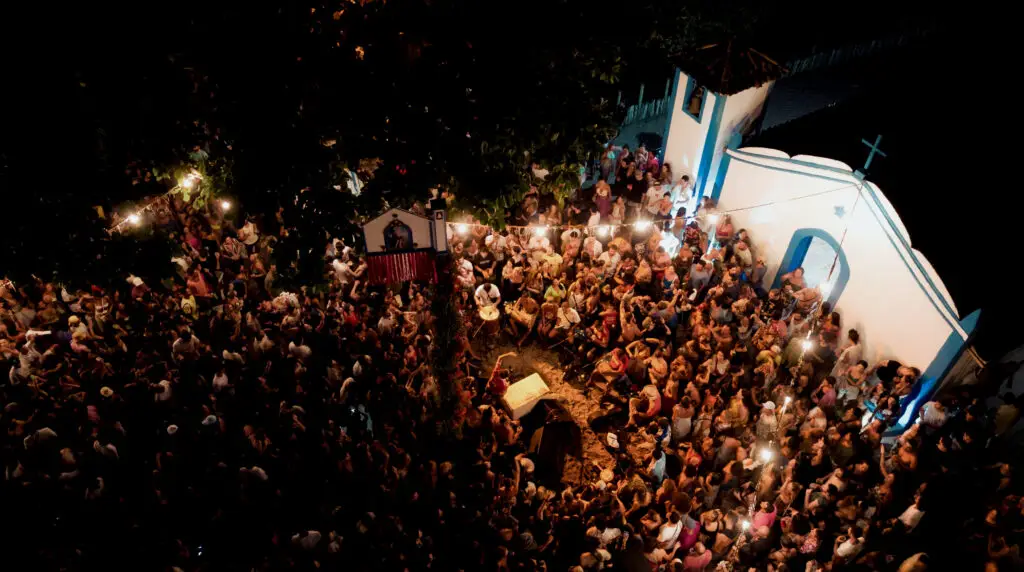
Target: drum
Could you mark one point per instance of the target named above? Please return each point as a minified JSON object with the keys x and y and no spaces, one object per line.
{"x":490,"y":315}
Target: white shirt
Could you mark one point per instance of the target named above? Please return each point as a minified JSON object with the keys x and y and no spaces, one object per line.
{"x":498,"y":246}
{"x":567,"y":318}
{"x":911,"y":516}
{"x":669,"y":533}
{"x":657,"y":468}
{"x":592,"y":246}
{"x":594,"y":220}
{"x":850,"y":548}
{"x":166,"y":393}
{"x":309,"y":542}
{"x":931,"y":416}
{"x":610,"y":261}
{"x":301,"y":352}
{"x":487,"y":295}
{"x":654,"y":194}
{"x":343,"y":272}
{"x":538,"y":243}
{"x":189,"y":347}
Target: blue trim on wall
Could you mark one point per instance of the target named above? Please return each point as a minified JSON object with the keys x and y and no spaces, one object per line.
{"x":668,"y":121}
{"x":691,"y":84}
{"x":739,"y":156}
{"x":723,"y":165}
{"x":796,"y":251}
{"x":903,"y":241}
{"x":710,"y":140}
{"x":796,"y":259}
{"x":951,"y":322}
{"x":925,"y":387}
{"x":800,"y":162}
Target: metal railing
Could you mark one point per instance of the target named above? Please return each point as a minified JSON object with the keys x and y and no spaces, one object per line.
{"x":644,"y":110}
{"x":850,"y":52}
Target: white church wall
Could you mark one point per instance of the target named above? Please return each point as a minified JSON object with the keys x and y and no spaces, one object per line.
{"x":738,"y":115}
{"x":742,"y":109}
{"x":685,"y":137}
{"x":884,"y":298}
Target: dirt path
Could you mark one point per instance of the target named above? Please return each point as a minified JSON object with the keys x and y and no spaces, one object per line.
{"x":579,"y":401}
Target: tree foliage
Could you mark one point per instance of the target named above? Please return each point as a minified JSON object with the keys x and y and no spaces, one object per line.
{"x":277,"y":102}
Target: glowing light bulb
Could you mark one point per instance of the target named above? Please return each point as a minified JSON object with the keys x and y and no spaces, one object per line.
{"x":188,"y":182}
{"x":540,"y":230}
{"x":787,"y":401}
{"x":225,"y":205}
{"x":462,"y":228}
{"x":825,"y":289}
{"x":713,"y":219}
{"x":806,"y":344}
{"x":767,"y":455}
{"x":602,"y":231}
{"x":643,"y":224}
{"x":745,"y":525}
{"x":134,"y":219}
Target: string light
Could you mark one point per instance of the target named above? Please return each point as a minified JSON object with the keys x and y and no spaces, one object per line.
{"x":642,"y":224}
{"x":745,"y":525}
{"x":540,"y":230}
{"x":767,"y":455}
{"x":806,"y":345}
{"x":713,"y":219}
{"x":602,"y":231}
{"x":135,"y":219}
{"x":225,"y":205}
{"x":191,"y":179}
{"x":787,"y":401}
{"x":825,"y":289}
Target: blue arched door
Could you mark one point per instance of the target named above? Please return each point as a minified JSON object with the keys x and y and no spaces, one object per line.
{"x":801,"y":244}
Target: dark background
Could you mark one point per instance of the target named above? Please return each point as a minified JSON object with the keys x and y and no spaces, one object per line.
{"x":943,"y":170}
{"x":91,"y":89}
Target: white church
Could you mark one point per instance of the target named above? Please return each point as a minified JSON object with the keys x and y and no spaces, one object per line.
{"x":822,"y":215}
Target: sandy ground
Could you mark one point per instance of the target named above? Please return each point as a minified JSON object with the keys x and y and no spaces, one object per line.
{"x":576,"y":398}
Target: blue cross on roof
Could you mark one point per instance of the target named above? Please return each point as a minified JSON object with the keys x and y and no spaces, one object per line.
{"x":874,"y":149}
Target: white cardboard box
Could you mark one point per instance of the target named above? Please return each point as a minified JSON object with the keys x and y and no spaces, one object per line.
{"x":524,"y":394}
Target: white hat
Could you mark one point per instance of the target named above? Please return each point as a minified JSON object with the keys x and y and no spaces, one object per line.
{"x":527,"y":464}
{"x":769,"y":405}
{"x":613,"y":441}
{"x":210,"y":420}
{"x":172,"y":429}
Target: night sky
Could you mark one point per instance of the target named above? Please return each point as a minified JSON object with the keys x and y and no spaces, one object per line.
{"x":941,"y":170}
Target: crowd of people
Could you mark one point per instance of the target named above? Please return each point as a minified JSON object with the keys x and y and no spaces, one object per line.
{"x":216,"y":421}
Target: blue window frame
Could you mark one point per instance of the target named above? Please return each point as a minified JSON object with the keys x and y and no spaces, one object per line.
{"x":694,"y":98}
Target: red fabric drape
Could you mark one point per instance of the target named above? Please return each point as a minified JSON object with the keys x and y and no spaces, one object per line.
{"x":401,"y":267}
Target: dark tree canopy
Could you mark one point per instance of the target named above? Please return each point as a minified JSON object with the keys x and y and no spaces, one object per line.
{"x":280,"y":99}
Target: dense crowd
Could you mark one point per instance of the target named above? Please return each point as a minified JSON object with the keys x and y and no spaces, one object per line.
{"x":217,"y":421}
